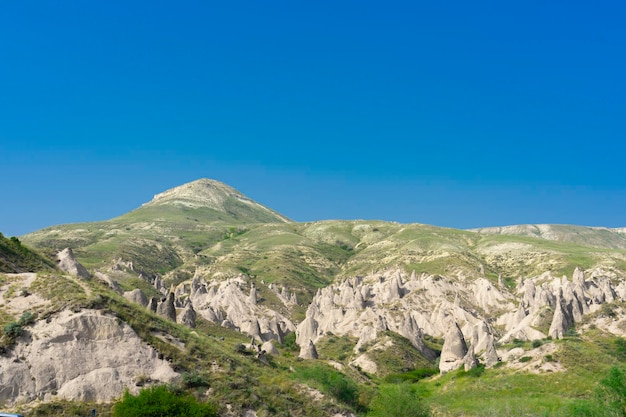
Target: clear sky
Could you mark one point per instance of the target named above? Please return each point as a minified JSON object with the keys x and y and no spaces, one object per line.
{"x":453,"y":113}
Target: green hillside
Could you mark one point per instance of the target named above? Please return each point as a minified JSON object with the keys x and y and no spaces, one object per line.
{"x":15,"y":257}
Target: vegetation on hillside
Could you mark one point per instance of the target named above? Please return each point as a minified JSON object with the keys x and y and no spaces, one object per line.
{"x":15,"y":257}
{"x":176,"y":242}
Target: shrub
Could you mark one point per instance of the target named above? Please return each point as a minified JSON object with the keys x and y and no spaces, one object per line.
{"x":160,"y":401}
{"x":536,"y":343}
{"x":289,"y":342}
{"x":194,"y":380}
{"x":477,"y":371}
{"x":26,"y":319}
{"x":12,"y":330}
{"x":397,"y":400}
{"x":525,"y":359}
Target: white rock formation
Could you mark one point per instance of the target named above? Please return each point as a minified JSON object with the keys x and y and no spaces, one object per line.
{"x":453,"y":351}
{"x":227,"y":302}
{"x":69,"y":264}
{"x":308,"y":351}
{"x":83,"y":356}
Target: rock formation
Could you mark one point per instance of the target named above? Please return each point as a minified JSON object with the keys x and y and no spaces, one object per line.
{"x":187,"y":316}
{"x":137,"y":296}
{"x":83,"y":356}
{"x":69,"y":264}
{"x":166,"y":307}
{"x":453,"y":351}
{"x":308,"y":351}
{"x":110,"y":282}
{"x":562,"y":320}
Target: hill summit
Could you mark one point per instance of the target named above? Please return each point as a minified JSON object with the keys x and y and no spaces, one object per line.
{"x":214,"y":195}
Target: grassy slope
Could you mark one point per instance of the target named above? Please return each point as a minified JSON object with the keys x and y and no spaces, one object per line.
{"x":589,"y":236}
{"x":505,"y":392}
{"x":310,"y":255}
{"x":15,"y":257}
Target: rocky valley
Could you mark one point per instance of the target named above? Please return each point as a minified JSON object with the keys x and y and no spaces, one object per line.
{"x":205,"y":289}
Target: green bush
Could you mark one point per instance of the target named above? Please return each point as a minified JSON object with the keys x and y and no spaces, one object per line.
{"x":475,"y":372}
{"x":160,"y":401}
{"x":12,"y":330}
{"x":397,"y":400}
{"x":26,"y":319}
{"x":195,"y":380}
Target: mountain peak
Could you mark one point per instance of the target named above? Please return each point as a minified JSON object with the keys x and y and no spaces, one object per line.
{"x":199,"y":193}
{"x":206,"y":193}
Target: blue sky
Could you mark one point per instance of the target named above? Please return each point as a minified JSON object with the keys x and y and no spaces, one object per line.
{"x":459,"y":114}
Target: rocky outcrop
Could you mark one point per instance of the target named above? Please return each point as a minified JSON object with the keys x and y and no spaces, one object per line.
{"x":410,"y":330}
{"x":453,"y":351}
{"x":562,"y":320}
{"x":137,"y":296}
{"x":84,"y":356}
{"x":308,"y":351}
{"x":229,"y":303}
{"x":110,"y":282}
{"x":470,"y":361}
{"x":166,"y":307}
{"x":187,"y":316}
{"x":491,"y":355}
{"x":66,"y":262}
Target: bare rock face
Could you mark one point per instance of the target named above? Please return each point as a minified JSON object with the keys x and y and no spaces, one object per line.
{"x":562,"y":321}
{"x":253,"y":295}
{"x":491,"y":356}
{"x":411,"y":331}
{"x":166,"y":307}
{"x":109,"y":281}
{"x":187,"y":316}
{"x":215,"y":301}
{"x":82,"y":356}
{"x":136,"y":296}
{"x":254,"y":330}
{"x":453,"y":351}
{"x":470,"y":361}
{"x":308,"y":351}
{"x":69,"y":264}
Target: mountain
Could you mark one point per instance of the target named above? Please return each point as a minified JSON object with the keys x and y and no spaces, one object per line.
{"x":207,"y":200}
{"x":318,"y":318}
